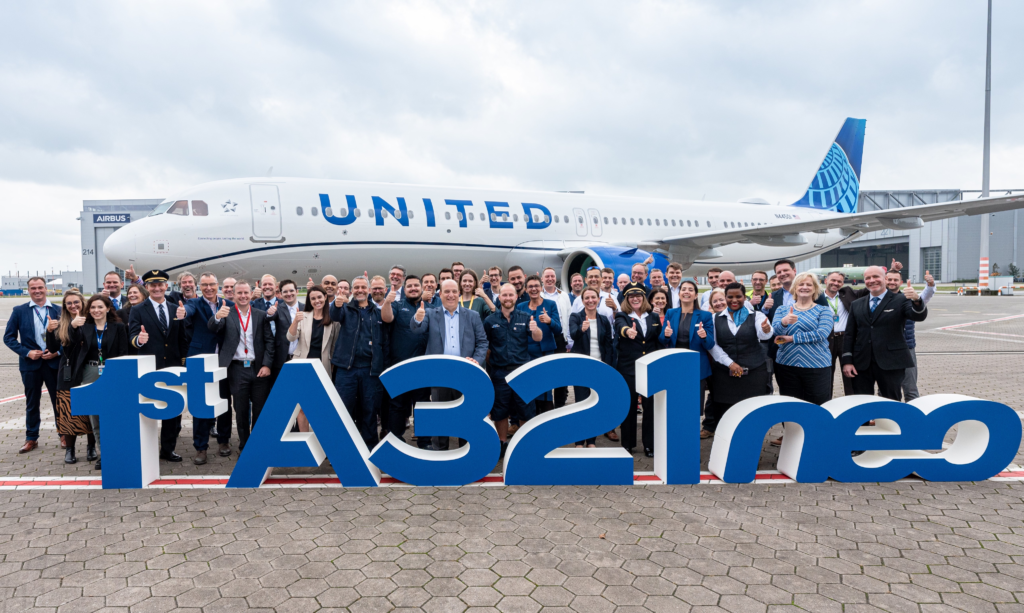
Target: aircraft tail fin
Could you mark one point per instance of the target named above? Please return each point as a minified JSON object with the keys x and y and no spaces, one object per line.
{"x":836,"y":184}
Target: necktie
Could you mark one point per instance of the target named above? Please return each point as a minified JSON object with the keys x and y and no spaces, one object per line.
{"x":163,"y":316}
{"x":874,"y":303}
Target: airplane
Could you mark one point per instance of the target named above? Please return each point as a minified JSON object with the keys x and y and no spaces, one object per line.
{"x":306,"y":228}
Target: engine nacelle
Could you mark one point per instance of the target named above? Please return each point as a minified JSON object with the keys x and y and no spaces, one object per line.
{"x":619,"y":259}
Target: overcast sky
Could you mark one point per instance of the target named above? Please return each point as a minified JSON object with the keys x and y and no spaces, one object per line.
{"x":721,"y":100}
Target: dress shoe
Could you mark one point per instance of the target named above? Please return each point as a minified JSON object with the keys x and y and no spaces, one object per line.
{"x":648,"y":452}
{"x":28,"y":446}
{"x":200,"y":458}
{"x":98,"y":464}
{"x":90,"y":454}
{"x":170,"y":456}
{"x":631,"y":450}
{"x":63,"y":442}
{"x":213,"y":432}
{"x":611,"y":436}
{"x":69,"y":456}
{"x":224,"y":450}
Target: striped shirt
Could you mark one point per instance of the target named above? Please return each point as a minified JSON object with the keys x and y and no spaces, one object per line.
{"x":810,"y":348}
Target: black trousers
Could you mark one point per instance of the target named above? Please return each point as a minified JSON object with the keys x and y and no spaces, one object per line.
{"x":169,"y":431}
{"x":581,"y":394}
{"x":836,"y":343}
{"x":628,"y":427}
{"x":399,"y":410}
{"x":440,"y":394}
{"x":249,"y":393}
{"x":561,"y":396}
{"x":202,"y":427}
{"x":809,"y":384}
{"x":890,"y":382}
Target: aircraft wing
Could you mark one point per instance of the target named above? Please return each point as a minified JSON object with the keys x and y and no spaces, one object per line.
{"x":788,"y":233}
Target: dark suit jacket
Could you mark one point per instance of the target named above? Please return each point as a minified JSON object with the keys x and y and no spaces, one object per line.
{"x":581,"y":340}
{"x":170,"y":346}
{"x":847,"y":295}
{"x":877,"y":337}
{"x":83,"y":340}
{"x":22,"y":324}
{"x":283,"y":320}
{"x":472,"y":339}
{"x":124,"y":314}
{"x":197,"y":314}
{"x":631,"y":350}
{"x":231,"y":326}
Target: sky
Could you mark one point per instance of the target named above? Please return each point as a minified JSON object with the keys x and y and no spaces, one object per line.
{"x":718,"y":100}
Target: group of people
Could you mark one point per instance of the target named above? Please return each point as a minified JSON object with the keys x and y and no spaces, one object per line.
{"x":786,"y":326}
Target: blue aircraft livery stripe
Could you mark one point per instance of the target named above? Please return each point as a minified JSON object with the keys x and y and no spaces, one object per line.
{"x":353,"y":243}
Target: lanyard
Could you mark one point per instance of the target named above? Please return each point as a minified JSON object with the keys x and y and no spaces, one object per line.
{"x":41,"y":318}
{"x":461,"y":304}
{"x":834,"y":305}
{"x":245,"y":327}
{"x":99,"y":341}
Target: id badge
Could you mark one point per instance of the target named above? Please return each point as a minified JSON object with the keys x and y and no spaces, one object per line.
{"x":835,"y":319}
{"x":100,"y":368}
{"x":247,"y":363}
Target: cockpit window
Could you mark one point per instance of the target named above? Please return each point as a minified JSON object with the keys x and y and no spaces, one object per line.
{"x":180,"y":207}
{"x":161,"y":208}
{"x":200,"y":209}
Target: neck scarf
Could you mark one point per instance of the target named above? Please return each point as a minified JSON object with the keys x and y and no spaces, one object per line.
{"x":740,"y":316}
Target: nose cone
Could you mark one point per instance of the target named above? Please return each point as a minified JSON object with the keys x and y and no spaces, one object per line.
{"x":119,"y":248}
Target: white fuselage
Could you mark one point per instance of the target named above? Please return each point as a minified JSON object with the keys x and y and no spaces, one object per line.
{"x":278,"y":226}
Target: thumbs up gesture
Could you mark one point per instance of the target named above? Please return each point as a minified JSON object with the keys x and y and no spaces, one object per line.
{"x":668,"y":328}
{"x":631,"y":332}
{"x":392,"y":296}
{"x":769,"y":303}
{"x":180,"y":313}
{"x":586,"y":325}
{"x":896,"y":265}
{"x":789,"y":319}
{"x":129,"y":275}
{"x":272,"y":310}
{"x":929,"y":279}
{"x":421,"y":312}
{"x":910,"y":292}
{"x":544,"y":317}
{"x":222,"y":312}
{"x":299,"y":316}
{"x":755,"y":300}
{"x":143,"y":337}
{"x":609,"y":302}
{"x":767,"y":325}
{"x":533,"y":325}
{"x":700,"y":330}
{"x":78,"y":321}
{"x":51,"y":324}
{"x":310,"y":284}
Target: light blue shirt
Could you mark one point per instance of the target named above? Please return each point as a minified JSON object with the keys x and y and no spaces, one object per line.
{"x":451,"y":333}
{"x":40,"y":314}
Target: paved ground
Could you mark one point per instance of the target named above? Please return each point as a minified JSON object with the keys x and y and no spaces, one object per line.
{"x":897,"y":547}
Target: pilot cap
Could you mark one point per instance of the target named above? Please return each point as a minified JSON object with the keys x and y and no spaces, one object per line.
{"x":634,"y":288}
{"x":155,"y":276}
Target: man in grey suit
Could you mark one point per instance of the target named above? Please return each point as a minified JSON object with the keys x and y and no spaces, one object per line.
{"x":248,"y":353}
{"x":451,"y":330}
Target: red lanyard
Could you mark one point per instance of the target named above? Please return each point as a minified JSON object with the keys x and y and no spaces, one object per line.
{"x":245,"y":326}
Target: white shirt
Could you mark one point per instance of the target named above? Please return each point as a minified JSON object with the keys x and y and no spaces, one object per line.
{"x":840,"y":316}
{"x":292,"y":310}
{"x":161,"y":306}
{"x":674,"y":293}
{"x":595,"y":349}
{"x":245,"y":338}
{"x":561,"y":299}
{"x":642,"y":319}
{"x":602,"y":308}
{"x":718,"y":353}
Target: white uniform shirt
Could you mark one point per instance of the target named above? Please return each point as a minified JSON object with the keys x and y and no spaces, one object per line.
{"x":292,"y":310}
{"x":245,"y":338}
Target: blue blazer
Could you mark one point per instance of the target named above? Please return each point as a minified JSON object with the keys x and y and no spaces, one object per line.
{"x":22,"y":323}
{"x":547,"y":342}
{"x":472,"y":339}
{"x":698,"y":344}
{"x":198,"y":313}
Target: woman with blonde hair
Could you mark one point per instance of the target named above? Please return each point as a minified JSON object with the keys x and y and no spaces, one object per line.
{"x":60,"y":337}
{"x":803,"y":366}
{"x":637,"y":329}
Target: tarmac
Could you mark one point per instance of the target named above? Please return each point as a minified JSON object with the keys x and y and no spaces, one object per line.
{"x":898,"y":547}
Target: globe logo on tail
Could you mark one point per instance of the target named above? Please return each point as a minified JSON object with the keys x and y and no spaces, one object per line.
{"x":835,"y":186}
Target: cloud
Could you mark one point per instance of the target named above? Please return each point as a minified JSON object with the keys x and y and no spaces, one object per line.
{"x":673,"y":99}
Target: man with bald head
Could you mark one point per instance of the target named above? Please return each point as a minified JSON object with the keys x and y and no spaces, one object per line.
{"x":875,"y":350}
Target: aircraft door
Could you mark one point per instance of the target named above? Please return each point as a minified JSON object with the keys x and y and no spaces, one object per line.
{"x":595,"y":222}
{"x":266,"y":211}
{"x":581,"y":222}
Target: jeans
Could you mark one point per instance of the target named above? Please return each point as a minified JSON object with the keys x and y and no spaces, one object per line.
{"x":358,"y":390}
{"x":33,"y":381}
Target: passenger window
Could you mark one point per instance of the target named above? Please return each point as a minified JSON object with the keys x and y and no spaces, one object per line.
{"x":329,"y":213}
{"x":471,"y":217}
{"x":179,"y":208}
{"x":547,"y":219}
{"x":657,"y":222}
{"x":447,"y":215}
{"x":410,"y":213}
{"x":709,"y":224}
{"x":631,"y":222}
{"x":623,"y":221}
{"x":359,"y":213}
{"x":199,"y":208}
{"x":556,"y":218}
{"x":458,"y":215}
{"x":673,"y":223}
{"x":373,"y":212}
{"x":312,"y":210}
{"x":565,"y":218}
{"x":398,"y":214}
{"x":615,"y":221}
{"x":641,"y":220}
{"x":298,"y":209}
{"x":383,"y":213}
{"x":606,"y":221}
{"x":687,"y":223}
{"x":665,"y":221}
{"x":648,"y":221}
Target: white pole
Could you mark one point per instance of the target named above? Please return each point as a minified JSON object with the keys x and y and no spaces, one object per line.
{"x":985,"y":232}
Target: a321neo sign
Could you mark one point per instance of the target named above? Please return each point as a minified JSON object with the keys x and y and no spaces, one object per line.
{"x":132,"y":396}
